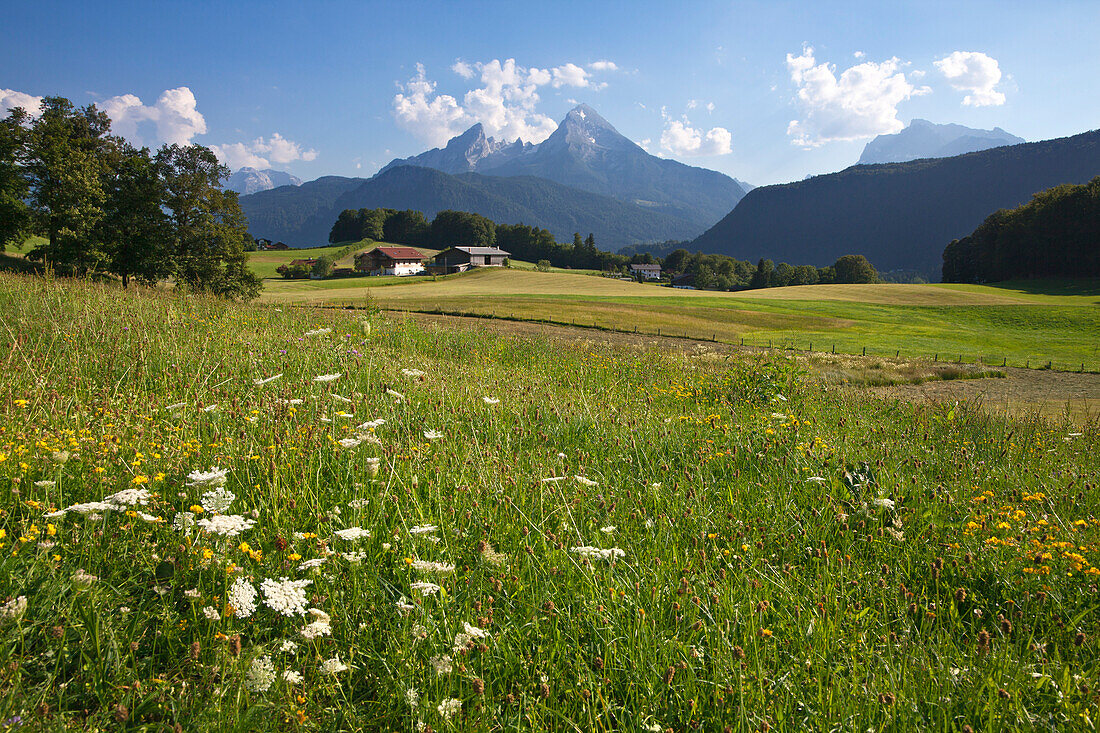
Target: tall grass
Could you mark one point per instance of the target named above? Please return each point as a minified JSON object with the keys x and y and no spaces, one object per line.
{"x":789,"y":555}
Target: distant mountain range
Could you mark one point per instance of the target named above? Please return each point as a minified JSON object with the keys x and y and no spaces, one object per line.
{"x":303,"y":216}
{"x":616,"y":190}
{"x":587,"y":153}
{"x":924,"y":139}
{"x":250,"y":180}
{"x":899,"y":215}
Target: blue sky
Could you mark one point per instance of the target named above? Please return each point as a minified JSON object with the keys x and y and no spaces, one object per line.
{"x":313,"y":87}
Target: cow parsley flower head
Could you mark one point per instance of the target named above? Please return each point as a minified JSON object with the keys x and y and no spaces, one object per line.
{"x":433,"y":434}
{"x":284,"y":596}
{"x":449,"y":708}
{"x":327,"y":377}
{"x":396,"y":395}
{"x":412,"y":697}
{"x":183,"y":521}
{"x":128,"y":497}
{"x":584,"y":481}
{"x":82,"y":580}
{"x":490,"y":400}
{"x":441,"y":663}
{"x":242,"y":598}
{"x":317,"y":332}
{"x":211,"y":613}
{"x":424,"y":588}
{"x":428,"y":566}
{"x":372,"y":424}
{"x":226,"y":525}
{"x":310,"y":564}
{"x":412,"y":372}
{"x":217,"y":501}
{"x":14,"y":609}
{"x":292,"y":678}
{"x":352,"y":533}
{"x":467,"y":635}
{"x":207,"y":479}
{"x":423,"y":529}
{"x":261,"y":675}
{"x":321,"y":625}
{"x":349,"y":443}
{"x":333,"y":666}
{"x":595,"y":553}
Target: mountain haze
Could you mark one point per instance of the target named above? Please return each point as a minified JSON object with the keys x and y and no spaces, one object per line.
{"x":899,"y":215}
{"x":924,"y":139}
{"x":513,"y":200}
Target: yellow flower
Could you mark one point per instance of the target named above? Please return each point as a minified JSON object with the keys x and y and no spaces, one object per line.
{"x":159,"y":477}
{"x":21,"y":403}
{"x":100,"y":469}
{"x":3,"y":534}
{"x":51,"y":530}
{"x":196,"y":509}
{"x":139,"y":479}
{"x":294,"y":556}
{"x":207,"y":553}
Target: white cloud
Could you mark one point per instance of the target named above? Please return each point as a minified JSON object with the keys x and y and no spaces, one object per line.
{"x":175,"y":117}
{"x":262,"y":153}
{"x":680,"y":138}
{"x":10,"y":99}
{"x":603,"y":65}
{"x":862,"y":102}
{"x":974,"y":73}
{"x":505,"y":103}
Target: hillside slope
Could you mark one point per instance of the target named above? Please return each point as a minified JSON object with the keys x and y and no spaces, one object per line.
{"x":900,"y":215}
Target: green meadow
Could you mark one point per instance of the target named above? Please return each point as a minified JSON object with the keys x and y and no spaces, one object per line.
{"x":257,"y":517}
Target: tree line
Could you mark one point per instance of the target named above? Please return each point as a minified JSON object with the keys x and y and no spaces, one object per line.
{"x":465,"y":229}
{"x":719,"y":272}
{"x":1056,"y":234}
{"x":105,"y":206}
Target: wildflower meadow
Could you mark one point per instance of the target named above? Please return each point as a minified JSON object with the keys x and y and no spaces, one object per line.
{"x":234,"y":517}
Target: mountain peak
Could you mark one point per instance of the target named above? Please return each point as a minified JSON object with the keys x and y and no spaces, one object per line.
{"x":924,"y":139}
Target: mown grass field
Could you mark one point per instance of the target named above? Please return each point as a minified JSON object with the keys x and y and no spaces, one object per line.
{"x":1016,"y":324}
{"x":448,"y":530}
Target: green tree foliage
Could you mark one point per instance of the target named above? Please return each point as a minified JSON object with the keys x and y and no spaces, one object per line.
{"x":134,"y":229}
{"x":208,"y":230}
{"x":1056,"y":234}
{"x":323,"y":267}
{"x":406,"y":227}
{"x":67,"y":159}
{"x":15,"y":215}
{"x":461,"y":229}
{"x":355,"y":225}
{"x":854,"y":269}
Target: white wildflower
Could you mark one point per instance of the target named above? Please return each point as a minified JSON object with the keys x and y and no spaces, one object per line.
{"x":372,"y":424}
{"x":341,"y":398}
{"x":288,"y":646}
{"x":584,"y":481}
{"x":882,"y":503}
{"x":128,"y":497}
{"x":82,"y":579}
{"x":242,"y":598}
{"x":349,"y":443}
{"x":441,"y":663}
{"x":14,"y":609}
{"x":816,"y":479}
{"x":412,"y":372}
{"x":183,"y":521}
{"x":45,"y":484}
{"x":449,"y":707}
{"x":424,"y":588}
{"x":210,"y":408}
{"x":321,"y":625}
{"x":227,"y":525}
{"x":433,"y":434}
{"x":354,"y":557}
{"x":424,"y":529}
{"x":352,"y":533}
{"x":490,"y":400}
{"x":258,"y":382}
{"x":211,"y":613}
{"x":333,"y":666}
{"x":554,"y":479}
{"x":192,"y":594}
{"x":358,"y":503}
{"x":175,"y":406}
{"x":318,"y":332}
{"x":284,"y":596}
{"x":310,"y":564}
{"x":467,"y":635}
{"x":595,"y":553}
{"x":207,"y":479}
{"x":609,"y":529}
{"x":89,"y":508}
{"x":261,"y":675}
{"x":404,"y":607}
{"x":412,"y":697}
{"x":327,"y":377}
{"x":427,"y":566}
{"x":292,"y":402}
{"x":292,"y":678}
{"x":396,"y":395}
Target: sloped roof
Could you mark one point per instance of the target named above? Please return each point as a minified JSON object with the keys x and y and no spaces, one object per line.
{"x":400,"y":253}
{"x":646,"y":268}
{"x":483,"y":251}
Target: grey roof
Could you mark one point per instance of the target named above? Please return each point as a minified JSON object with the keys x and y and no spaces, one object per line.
{"x":645,"y":267}
{"x":483,"y":251}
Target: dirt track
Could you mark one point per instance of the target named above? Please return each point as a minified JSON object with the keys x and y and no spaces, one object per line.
{"x":1020,"y":392}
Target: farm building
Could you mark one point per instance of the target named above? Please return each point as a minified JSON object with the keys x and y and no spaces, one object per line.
{"x":647,"y":272}
{"x":458,"y":259}
{"x":391,"y":261}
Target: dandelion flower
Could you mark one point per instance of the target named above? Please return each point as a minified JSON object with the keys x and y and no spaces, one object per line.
{"x":242,"y":598}
{"x":287,"y":597}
